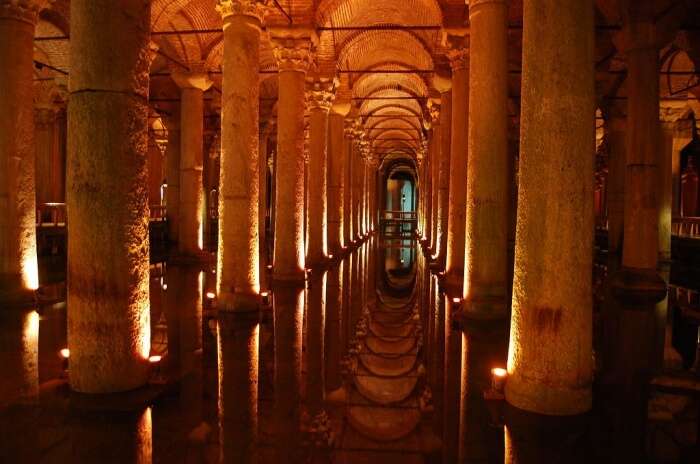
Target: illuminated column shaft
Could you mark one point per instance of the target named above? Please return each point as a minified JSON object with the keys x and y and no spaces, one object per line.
{"x":316,"y":328}
{"x":320,"y":98}
{"x":190,"y":235}
{"x":616,"y":182}
{"x":428,"y":194}
{"x":444,"y":172}
{"x":451,"y":392}
{"x":347,"y":178}
{"x":486,"y":240}
{"x":18,"y":261}
{"x":238,"y":254}
{"x":549,"y":361}
{"x":107,"y":196}
{"x":458,"y":168}
{"x":336,"y":185}
{"x":355,"y":175}
{"x":435,"y":145}
{"x":49,"y":167}
{"x":172,"y":162}
{"x":665,"y":156}
{"x":334,"y":326}
{"x":639,"y":278}
{"x":293,"y":56}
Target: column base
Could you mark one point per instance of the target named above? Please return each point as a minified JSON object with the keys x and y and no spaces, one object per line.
{"x":485,"y":308}
{"x":188,"y":258}
{"x":239,"y":302}
{"x":291,"y":279}
{"x":638,"y":287}
{"x":18,"y":299}
{"x":551,"y":400}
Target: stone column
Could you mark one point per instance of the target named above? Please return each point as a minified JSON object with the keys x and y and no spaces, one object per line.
{"x":616,"y":181}
{"x":315,"y":348}
{"x":434,"y":148}
{"x":347,"y":178}
{"x":336,"y":183}
{"x":238,"y":271}
{"x":19,"y":275}
{"x":49,"y":167}
{"x":682,"y":137}
{"x":320,"y":97}
{"x":334,"y":326}
{"x":664,"y":188}
{"x":638,"y":278}
{"x":444,"y":86}
{"x":293,"y":53}
{"x":486,"y":255}
{"x":456,"y":219}
{"x":191,"y":233}
{"x":428,"y":192}
{"x":550,"y":353}
{"x":452,"y":382}
{"x":107,"y":198}
{"x":172,"y":175}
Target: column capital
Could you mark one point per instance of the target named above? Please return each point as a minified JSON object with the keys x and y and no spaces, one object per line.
{"x":253,"y":8}
{"x":459,"y":57}
{"x":22,"y":10}
{"x":473,"y":4}
{"x":434,"y":112}
{"x":320,"y":92}
{"x":293,"y":49}
{"x":349,"y":128}
{"x":192,"y":80}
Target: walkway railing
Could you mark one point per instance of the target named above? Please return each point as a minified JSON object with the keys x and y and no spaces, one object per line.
{"x":686,"y":226}
{"x":401,"y":224}
{"x":54,"y":214}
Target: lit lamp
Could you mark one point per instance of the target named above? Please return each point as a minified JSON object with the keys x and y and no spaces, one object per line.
{"x":498,"y":378}
{"x":155,"y":360}
{"x":265,"y":298}
{"x":65,"y":354}
{"x":211,"y":295}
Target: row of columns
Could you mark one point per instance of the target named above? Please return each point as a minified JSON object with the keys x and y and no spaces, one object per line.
{"x":549,"y":359}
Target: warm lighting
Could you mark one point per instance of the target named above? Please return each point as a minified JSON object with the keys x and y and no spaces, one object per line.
{"x":155,"y":359}
{"x":456,"y":300}
{"x":211,"y":295}
{"x":498,"y":378}
{"x":269,"y":267}
{"x":265,"y":298}
{"x":65,"y":353}
{"x":30,"y":272}
{"x":330,"y":256}
{"x":164,"y":286}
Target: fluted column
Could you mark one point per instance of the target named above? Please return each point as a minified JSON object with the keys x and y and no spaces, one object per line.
{"x":639,"y":278}
{"x":293,"y":54}
{"x":49,"y":166}
{"x":191,"y":220}
{"x":172,"y":175}
{"x":550,"y":353}
{"x":18,"y":262}
{"x":336,"y":181}
{"x":320,"y":97}
{"x":454,"y":263}
{"x":486,"y":237}
{"x":107,"y":196}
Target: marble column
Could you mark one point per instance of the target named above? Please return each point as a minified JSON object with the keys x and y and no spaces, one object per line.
{"x":347,"y":177}
{"x":172,"y":175}
{"x":315,"y":348}
{"x":434,"y":149}
{"x":550,"y":352}
{"x":486,"y":238}
{"x":683,"y":135}
{"x":334,"y":326}
{"x":336,"y":182}
{"x":320,"y":95}
{"x":107,"y":196}
{"x":665,"y":190}
{"x":616,"y":181}
{"x":49,"y":165}
{"x":191,"y":222}
{"x":293,"y":53}
{"x":238,"y":273}
{"x":456,"y":220}
{"x":445,"y":88}
{"x":19,"y":275}
{"x":639,"y":280}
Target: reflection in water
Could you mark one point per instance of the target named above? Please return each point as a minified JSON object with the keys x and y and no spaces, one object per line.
{"x":369,"y":363}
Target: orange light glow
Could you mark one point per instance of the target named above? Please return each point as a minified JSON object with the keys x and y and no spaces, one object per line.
{"x":456,"y":300}
{"x":65,"y":353}
{"x":211,"y":295}
{"x":499,"y":372}
{"x":155,"y":359}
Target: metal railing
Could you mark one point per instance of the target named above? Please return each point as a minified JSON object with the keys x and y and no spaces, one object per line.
{"x":686,"y":226}
{"x":400,"y":224}
{"x":54,"y":214}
